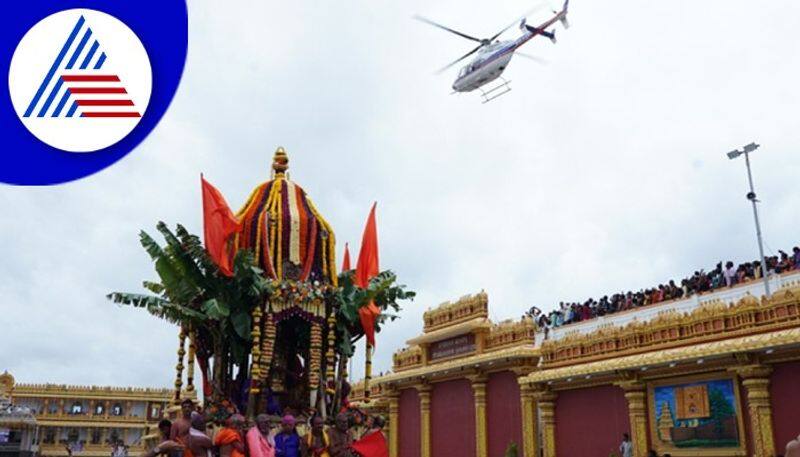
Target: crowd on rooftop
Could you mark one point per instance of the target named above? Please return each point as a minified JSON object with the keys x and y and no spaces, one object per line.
{"x":721,"y":276}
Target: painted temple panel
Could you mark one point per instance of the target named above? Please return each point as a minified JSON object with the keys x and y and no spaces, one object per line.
{"x":699,"y":415}
{"x":784,"y":386}
{"x":409,"y":424}
{"x":503,"y":412}
{"x":599,"y":413}
{"x":452,"y":419}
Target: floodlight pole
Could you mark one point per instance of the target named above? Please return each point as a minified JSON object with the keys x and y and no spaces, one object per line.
{"x":752,"y":197}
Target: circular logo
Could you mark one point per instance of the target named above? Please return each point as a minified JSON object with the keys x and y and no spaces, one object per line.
{"x":80,"y":80}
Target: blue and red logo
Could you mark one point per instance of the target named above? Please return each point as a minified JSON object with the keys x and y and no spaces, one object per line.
{"x":87,"y":82}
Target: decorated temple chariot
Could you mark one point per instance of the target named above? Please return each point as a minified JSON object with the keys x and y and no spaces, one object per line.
{"x":268,"y":316}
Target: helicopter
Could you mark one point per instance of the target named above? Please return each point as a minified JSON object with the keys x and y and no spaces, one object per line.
{"x":492,"y":56}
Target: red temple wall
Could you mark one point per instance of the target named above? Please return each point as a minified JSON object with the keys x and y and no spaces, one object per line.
{"x":408,"y":427}
{"x":452,"y":419}
{"x":785,"y":396}
{"x":590,"y":421}
{"x":503,"y":412}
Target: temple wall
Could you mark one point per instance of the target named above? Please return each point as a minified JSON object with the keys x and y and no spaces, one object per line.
{"x":591,"y":421}
{"x":503,"y":411}
{"x":452,"y":419}
{"x":409,"y":425}
{"x":784,"y":387}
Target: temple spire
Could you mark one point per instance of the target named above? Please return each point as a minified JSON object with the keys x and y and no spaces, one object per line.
{"x":280,"y":162}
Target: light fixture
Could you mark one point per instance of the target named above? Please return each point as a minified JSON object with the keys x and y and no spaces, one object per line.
{"x":700,"y":361}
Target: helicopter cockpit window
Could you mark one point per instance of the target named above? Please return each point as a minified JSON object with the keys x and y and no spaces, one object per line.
{"x":463,"y":71}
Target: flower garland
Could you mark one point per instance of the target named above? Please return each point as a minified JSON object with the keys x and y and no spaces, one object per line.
{"x":303,"y":298}
{"x":255,"y":370}
{"x":330,"y":356}
{"x":179,"y":366}
{"x":267,"y":346}
{"x":315,"y":355}
{"x":219,"y":412}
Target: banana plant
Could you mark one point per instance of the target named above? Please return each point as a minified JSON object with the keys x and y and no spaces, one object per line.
{"x":193,"y":293}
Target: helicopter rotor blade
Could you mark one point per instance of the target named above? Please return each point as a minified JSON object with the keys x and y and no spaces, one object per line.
{"x":516,"y":21}
{"x":536,"y":59}
{"x":430,"y":22}
{"x":446,"y":67}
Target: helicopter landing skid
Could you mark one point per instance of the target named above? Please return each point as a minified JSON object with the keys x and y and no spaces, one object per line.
{"x":496,"y":91}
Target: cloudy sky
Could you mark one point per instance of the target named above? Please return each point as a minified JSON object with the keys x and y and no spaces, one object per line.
{"x":602,"y":170}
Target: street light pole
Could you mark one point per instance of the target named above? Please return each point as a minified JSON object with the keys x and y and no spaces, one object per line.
{"x":752,"y":197}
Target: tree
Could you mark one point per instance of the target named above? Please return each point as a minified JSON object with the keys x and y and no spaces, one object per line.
{"x":721,"y":408}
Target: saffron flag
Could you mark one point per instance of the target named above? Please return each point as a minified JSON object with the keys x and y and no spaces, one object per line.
{"x":366,"y":269}
{"x":346,"y":261}
{"x":219,"y":224}
{"x":372,"y":445}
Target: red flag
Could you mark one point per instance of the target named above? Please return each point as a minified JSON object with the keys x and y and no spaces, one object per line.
{"x":346,"y":261}
{"x":219,"y":224}
{"x":367,"y":265}
{"x":366,"y":269}
{"x":372,"y":445}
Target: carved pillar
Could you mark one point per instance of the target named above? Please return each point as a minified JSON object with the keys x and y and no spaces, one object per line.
{"x":529,"y":441}
{"x":755,"y":379}
{"x":394,"y":422}
{"x":546,"y":401}
{"x":424,"y":353}
{"x":425,"y":420}
{"x":636,"y":396}
{"x":481,"y":439}
{"x":480,"y":342}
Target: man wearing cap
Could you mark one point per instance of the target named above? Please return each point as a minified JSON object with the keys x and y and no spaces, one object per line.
{"x":287,"y":442}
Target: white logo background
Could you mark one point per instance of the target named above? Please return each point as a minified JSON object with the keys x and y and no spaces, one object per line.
{"x":34,"y":56}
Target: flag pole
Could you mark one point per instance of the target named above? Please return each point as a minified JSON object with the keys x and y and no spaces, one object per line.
{"x":367,"y":371}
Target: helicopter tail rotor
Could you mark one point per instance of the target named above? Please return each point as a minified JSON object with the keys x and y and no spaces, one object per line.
{"x":563,"y":17}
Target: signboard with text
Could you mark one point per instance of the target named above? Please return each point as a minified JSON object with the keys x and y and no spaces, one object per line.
{"x":450,"y":347}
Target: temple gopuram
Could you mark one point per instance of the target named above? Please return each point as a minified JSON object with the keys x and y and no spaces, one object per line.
{"x":714,"y":374}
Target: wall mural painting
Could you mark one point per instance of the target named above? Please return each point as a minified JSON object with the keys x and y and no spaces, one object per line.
{"x":702,"y":414}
